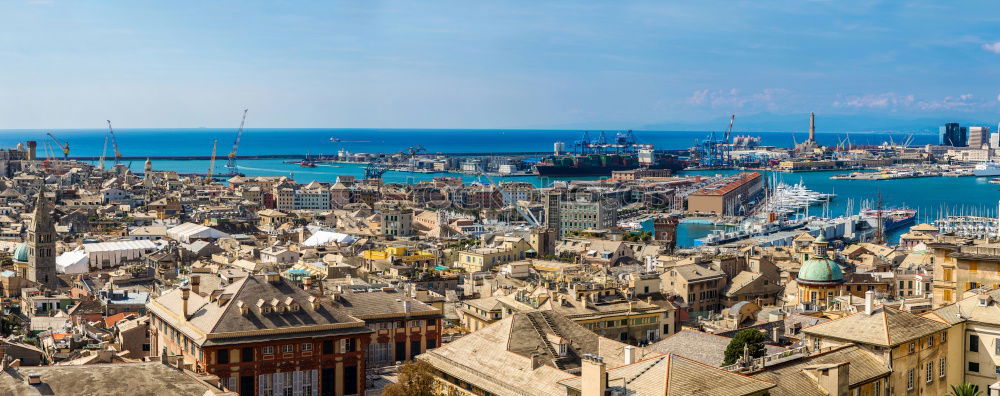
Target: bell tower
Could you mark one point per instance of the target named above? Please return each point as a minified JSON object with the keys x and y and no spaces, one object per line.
{"x":42,"y":244}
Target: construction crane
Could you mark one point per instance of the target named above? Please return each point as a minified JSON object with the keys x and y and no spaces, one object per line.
{"x":231,"y":163}
{"x":104,"y":152}
{"x":211,"y":162}
{"x":62,"y":145}
{"x":527,"y":215}
{"x":114,"y":144}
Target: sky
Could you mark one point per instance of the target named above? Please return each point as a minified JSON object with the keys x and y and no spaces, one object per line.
{"x":492,"y":64}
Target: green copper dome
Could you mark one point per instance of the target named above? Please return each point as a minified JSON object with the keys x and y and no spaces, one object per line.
{"x":821,"y":270}
{"x":21,"y":253}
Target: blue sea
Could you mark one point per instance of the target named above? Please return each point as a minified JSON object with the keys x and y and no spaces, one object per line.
{"x":932,"y":197}
{"x":138,"y":142}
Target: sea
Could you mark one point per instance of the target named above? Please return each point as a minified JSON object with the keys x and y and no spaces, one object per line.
{"x":932,"y":197}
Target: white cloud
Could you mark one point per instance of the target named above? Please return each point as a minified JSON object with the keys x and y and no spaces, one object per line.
{"x":734,"y":98}
{"x":993,"y":47}
{"x":885,"y":100}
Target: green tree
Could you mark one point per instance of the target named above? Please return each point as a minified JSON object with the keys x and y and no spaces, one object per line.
{"x":964,"y":389}
{"x":752,"y":338}
{"x":416,"y":378}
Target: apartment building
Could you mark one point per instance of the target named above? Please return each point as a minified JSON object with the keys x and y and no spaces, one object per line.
{"x":262,"y":335}
{"x":960,"y":267}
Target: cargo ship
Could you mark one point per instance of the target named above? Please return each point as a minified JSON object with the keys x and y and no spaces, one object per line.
{"x":892,"y":219}
{"x":599,"y":158}
{"x":602,"y":164}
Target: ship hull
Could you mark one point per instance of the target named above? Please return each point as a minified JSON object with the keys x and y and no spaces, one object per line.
{"x":580,"y":171}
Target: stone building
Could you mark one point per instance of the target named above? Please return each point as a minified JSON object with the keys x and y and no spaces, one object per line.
{"x":262,"y":335}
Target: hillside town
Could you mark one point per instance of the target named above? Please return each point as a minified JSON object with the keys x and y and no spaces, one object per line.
{"x":262,"y":286}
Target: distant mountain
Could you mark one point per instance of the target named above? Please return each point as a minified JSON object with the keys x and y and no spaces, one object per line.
{"x":832,"y":123}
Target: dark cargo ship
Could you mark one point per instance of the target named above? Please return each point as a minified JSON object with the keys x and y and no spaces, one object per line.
{"x":598,"y":157}
{"x":603,"y":164}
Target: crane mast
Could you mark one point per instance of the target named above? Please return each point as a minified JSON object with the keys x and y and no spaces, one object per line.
{"x":231,"y":163}
{"x":114,"y":143}
{"x":211,"y":162}
{"x":104,"y":152}
{"x":62,"y":145}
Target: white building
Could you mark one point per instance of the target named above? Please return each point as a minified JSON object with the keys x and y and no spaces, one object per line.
{"x":188,"y":232}
{"x":311,"y":198}
{"x":278,"y":255}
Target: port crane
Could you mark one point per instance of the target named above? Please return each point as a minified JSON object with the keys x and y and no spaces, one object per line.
{"x":114,"y":144}
{"x":211,"y":162}
{"x":63,"y":145}
{"x":375,"y":169}
{"x":231,"y":163}
{"x":526,"y":214}
{"x":104,"y":152}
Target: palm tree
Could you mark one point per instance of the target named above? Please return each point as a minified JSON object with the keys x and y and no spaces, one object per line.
{"x":964,"y":389}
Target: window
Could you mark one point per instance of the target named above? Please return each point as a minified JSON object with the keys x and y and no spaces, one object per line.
{"x":973,"y":343}
{"x":974,"y":367}
{"x":941,"y":368}
{"x":877,"y":388}
{"x":307,"y":385}
{"x":930,"y":342}
{"x":913,"y":347}
{"x":930,"y":372}
{"x":944,"y":337}
{"x":431,"y":343}
{"x":289,"y":382}
{"x":288,"y":348}
{"x":246,"y":354}
{"x":909,"y":380}
{"x":268,"y":350}
{"x":222,"y":356}
{"x":327,"y":347}
{"x":307,"y":347}
{"x":265,"y":384}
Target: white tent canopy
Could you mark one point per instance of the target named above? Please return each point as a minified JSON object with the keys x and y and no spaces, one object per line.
{"x":74,"y":262}
{"x":111,"y":254}
{"x":321,"y":238}
{"x":190,"y":231}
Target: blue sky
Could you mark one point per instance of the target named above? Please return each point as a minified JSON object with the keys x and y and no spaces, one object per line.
{"x":486,"y":64}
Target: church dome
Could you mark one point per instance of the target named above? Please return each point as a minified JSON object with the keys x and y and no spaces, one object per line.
{"x":21,"y":253}
{"x":820,"y":271}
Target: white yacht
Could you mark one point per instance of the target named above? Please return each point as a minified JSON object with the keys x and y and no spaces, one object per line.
{"x":987,"y":169}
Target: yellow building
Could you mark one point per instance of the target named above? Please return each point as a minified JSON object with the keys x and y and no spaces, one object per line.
{"x":403,"y":254}
{"x":915,"y":347}
{"x":973,"y":354}
{"x":487,"y":258}
{"x":960,"y":268}
{"x":480,"y":312}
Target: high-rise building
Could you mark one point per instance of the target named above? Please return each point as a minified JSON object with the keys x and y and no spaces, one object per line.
{"x":552,"y":211}
{"x":42,"y":244}
{"x":978,"y":136}
{"x":952,"y":134}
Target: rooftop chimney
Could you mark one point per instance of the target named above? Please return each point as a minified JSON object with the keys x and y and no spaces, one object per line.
{"x":631,"y":354}
{"x":272,"y":277}
{"x":195,"y":283}
{"x":34,"y":379}
{"x":594,"y":376}
{"x":185,"y":294}
{"x":869,"y":302}
{"x":307,"y":283}
{"x":406,"y":306}
{"x":832,"y":378}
